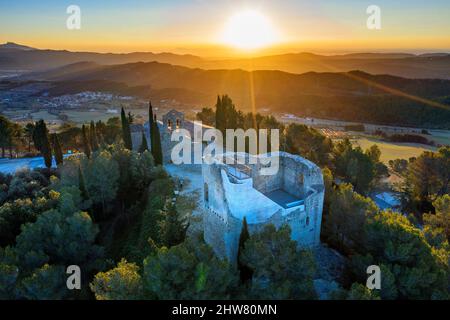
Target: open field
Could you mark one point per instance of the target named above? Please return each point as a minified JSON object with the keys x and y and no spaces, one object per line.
{"x":440,"y":137}
{"x":44,"y":115}
{"x":87,"y":116}
{"x":83,"y":116}
{"x":391,"y":151}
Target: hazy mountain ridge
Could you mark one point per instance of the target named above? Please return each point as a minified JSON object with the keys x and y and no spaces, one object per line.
{"x":163,"y":75}
{"x":40,"y":60}
{"x":12,"y":46}
{"x":403,"y":65}
{"x":432,"y":65}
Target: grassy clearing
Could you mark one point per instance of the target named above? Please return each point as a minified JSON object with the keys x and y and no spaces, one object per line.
{"x":87,"y":116}
{"x":44,"y":115}
{"x":391,"y":151}
{"x":439,"y":136}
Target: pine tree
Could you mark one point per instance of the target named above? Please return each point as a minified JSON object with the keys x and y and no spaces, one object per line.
{"x":126,"y":133}
{"x":173,"y":228}
{"x":244,"y":271}
{"x":81,"y":185}
{"x":57,"y":150}
{"x":156,"y":148}
{"x":86,"y":146}
{"x":144,"y":145}
{"x":93,"y":137}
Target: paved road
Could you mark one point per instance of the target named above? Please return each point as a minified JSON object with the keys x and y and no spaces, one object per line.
{"x":12,"y":165}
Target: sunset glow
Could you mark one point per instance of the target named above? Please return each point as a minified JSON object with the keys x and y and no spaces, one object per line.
{"x":225,"y":28}
{"x":249,"y":30}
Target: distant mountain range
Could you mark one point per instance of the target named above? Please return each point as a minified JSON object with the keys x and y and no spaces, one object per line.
{"x":433,"y":65}
{"x":11,"y":46}
{"x":394,"y":88}
{"x":354,"y":96}
{"x":14,"y":57}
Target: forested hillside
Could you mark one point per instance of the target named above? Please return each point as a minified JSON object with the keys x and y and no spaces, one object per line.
{"x":352,"y":96}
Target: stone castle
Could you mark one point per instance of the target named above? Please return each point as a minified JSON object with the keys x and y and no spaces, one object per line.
{"x":293,"y":196}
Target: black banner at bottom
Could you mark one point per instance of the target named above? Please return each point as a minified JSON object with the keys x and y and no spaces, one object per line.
{"x":234,"y":309}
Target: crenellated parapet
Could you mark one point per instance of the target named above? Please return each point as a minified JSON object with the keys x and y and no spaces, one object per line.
{"x":293,"y":195}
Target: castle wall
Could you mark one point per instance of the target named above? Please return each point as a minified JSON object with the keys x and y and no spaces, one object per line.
{"x":214,"y":196}
{"x":224,"y":214}
{"x":267,"y":183}
{"x":294,"y":177}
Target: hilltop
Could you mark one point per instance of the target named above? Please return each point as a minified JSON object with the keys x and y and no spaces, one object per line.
{"x":431,"y":65}
{"x":352,"y":96}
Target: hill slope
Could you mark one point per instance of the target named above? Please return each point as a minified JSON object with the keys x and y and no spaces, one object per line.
{"x":355,"y":96}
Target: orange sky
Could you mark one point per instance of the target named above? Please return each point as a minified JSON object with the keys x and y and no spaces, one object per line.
{"x":196,"y":26}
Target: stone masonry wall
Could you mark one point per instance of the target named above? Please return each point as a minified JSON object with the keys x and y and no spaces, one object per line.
{"x":222,"y":229}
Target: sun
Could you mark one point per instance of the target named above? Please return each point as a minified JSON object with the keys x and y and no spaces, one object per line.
{"x":249,"y":30}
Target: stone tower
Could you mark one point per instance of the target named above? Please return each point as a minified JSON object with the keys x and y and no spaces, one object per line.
{"x":293,"y":196}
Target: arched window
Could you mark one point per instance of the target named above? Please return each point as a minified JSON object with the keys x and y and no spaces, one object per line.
{"x":300,"y":178}
{"x":169,"y":124}
{"x":178,"y":124}
{"x":307,"y":221}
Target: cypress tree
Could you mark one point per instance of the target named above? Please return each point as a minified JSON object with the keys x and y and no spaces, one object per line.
{"x":93,"y":137}
{"x":150,"y":123}
{"x":81,"y":185}
{"x":99,"y":126}
{"x":157,"y":149}
{"x":220,"y":125}
{"x":40,"y":135}
{"x":126,"y":133}
{"x":29,"y":129}
{"x":86,"y":146}
{"x":244,"y":271}
{"x":47,"y":153}
{"x":42,"y":143}
{"x":230,"y":114}
{"x":4,"y":133}
{"x":36,"y":136}
{"x":144,"y":145}
{"x":57,"y":150}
